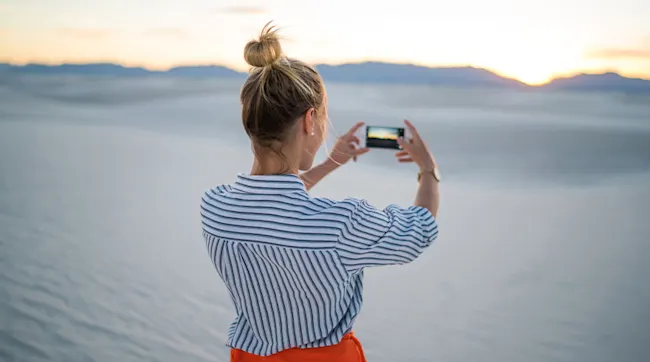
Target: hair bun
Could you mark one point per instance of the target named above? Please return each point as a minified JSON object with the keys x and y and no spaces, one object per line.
{"x":264,"y":51}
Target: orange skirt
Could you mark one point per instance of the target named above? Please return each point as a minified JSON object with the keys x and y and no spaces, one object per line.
{"x":348,"y":350}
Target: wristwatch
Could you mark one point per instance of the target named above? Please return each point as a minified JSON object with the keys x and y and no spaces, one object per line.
{"x":434,"y":172}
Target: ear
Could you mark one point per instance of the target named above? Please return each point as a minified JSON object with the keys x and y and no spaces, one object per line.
{"x":309,"y":121}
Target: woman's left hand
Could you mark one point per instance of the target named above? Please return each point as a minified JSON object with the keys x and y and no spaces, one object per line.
{"x":347,"y":147}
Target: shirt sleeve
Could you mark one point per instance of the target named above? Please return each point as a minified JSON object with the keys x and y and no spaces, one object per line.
{"x":394,"y":235}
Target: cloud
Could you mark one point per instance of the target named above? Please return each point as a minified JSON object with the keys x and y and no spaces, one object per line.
{"x":168,"y":33}
{"x":615,"y":53}
{"x":242,"y":10}
{"x":84,"y":33}
{"x":639,"y":52}
{"x":102,"y":34}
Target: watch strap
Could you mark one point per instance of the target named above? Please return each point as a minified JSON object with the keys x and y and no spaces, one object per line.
{"x":431,"y":172}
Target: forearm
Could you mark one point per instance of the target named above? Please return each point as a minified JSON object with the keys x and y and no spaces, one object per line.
{"x":312,"y":176}
{"x":427,"y":195}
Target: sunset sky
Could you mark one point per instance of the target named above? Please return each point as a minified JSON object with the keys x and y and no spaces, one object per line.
{"x":529,"y":40}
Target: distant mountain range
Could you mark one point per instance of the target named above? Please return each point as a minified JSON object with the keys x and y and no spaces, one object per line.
{"x":368,"y":72}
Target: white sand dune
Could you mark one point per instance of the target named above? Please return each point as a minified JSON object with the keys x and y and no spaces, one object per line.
{"x":543,"y":246}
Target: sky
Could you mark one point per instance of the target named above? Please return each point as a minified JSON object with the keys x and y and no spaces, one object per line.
{"x":532,"y":41}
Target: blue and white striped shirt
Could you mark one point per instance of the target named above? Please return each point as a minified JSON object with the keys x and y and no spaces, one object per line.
{"x":293,"y":264}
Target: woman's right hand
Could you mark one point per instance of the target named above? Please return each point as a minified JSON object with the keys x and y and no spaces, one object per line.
{"x":415,"y":150}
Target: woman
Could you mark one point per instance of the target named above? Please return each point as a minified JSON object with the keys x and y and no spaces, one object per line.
{"x":293,"y":264}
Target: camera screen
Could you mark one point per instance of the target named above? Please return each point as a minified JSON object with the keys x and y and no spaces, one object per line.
{"x":383,"y":137}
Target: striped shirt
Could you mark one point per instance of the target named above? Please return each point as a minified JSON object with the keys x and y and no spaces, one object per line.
{"x":293,"y":264}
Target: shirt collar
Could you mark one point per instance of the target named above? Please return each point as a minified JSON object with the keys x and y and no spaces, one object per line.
{"x":269,"y":184}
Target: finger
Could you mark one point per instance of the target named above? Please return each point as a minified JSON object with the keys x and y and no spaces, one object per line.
{"x":361,"y":151}
{"x":405,"y":160}
{"x":355,"y":128}
{"x":401,"y":153}
{"x":405,"y":146}
{"x":411,"y":127}
{"x":354,"y":139}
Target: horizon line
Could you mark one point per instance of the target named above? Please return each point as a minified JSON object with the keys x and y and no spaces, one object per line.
{"x":334,"y":64}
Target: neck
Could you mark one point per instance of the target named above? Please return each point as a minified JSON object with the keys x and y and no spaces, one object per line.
{"x":273,"y":166}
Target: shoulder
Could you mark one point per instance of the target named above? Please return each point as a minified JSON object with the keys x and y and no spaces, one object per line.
{"x":214,"y":193}
{"x":220,"y":189}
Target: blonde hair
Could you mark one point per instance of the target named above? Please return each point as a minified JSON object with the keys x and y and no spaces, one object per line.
{"x":278,"y":92}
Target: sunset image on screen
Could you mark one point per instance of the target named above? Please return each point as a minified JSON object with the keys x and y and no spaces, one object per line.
{"x":383,"y":133}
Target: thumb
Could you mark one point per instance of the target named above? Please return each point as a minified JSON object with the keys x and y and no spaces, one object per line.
{"x":405,"y":145}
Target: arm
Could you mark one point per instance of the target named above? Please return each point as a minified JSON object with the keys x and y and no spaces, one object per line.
{"x":417,"y":151}
{"x":427,"y":195}
{"x":345,"y":149}
{"x":374,"y":237}
{"x":394,"y":235}
{"x":312,"y":176}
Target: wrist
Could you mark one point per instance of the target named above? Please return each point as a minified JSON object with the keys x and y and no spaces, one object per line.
{"x":432,"y":172}
{"x":428,"y":168}
{"x":330,"y":164}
